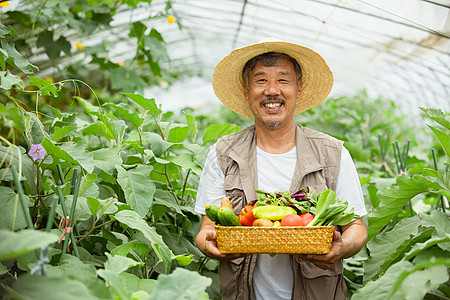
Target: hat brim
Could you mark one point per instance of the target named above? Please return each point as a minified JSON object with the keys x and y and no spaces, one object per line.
{"x":228,"y":84}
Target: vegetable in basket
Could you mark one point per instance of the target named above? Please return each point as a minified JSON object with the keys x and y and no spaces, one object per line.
{"x":271,"y":212}
{"x":325,"y":208}
{"x":246,"y":217}
{"x":227,"y":217}
{"x":331,"y":210}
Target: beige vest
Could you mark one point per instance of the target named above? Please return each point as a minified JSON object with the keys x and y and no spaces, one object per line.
{"x":318,"y":161}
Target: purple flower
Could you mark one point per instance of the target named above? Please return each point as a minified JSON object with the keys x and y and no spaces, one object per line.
{"x":37,"y":152}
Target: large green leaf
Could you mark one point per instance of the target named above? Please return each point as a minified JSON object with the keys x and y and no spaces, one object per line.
{"x":119,"y":264}
{"x":117,"y":284}
{"x":61,"y":132}
{"x":86,"y":184}
{"x":437,"y":115}
{"x":374,"y":200}
{"x":438,"y":221}
{"x":124,"y":111}
{"x":192,"y":127}
{"x":415,"y":283}
{"x":381,"y":289}
{"x":72,"y":153}
{"x":82,"y":210}
{"x":71,"y":267}
{"x":165,"y":198}
{"x":135,"y":283}
{"x":185,"y":160}
{"x":15,"y":156}
{"x":181,"y":284}
{"x":179,"y":244}
{"x":8,"y":80}
{"x":7,"y":193}
{"x":15,"y":244}
{"x":34,"y":129}
{"x":133,"y":220}
{"x":426,"y":245}
{"x":111,"y":129}
{"x":137,"y":187}
{"x":157,"y":144}
{"x":392,"y":201}
{"x":107,"y":158}
{"x":11,"y":212}
{"x":99,"y":207}
{"x":386,"y":248}
{"x":41,"y":287}
{"x":443,"y":138}
{"x":215,"y":131}
{"x":134,"y":245}
{"x":12,"y":117}
{"x":178,"y":134}
{"x":15,"y":59}
{"x":148,"y":104}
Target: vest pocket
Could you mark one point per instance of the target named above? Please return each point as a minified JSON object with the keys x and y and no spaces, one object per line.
{"x":229,"y":274}
{"x":318,"y":188}
{"x":310,"y":270}
{"x":234,"y":191}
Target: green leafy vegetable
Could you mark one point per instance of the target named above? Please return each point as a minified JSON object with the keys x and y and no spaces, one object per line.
{"x":331,"y":210}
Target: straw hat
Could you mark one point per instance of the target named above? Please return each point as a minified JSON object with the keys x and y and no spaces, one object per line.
{"x":228,"y":83}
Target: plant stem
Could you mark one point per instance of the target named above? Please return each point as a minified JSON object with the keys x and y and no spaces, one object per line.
{"x":92,"y":229}
{"x":22,"y":200}
{"x":159,"y":127}
{"x":167,"y":176}
{"x":140,"y":143}
{"x":61,"y":175}
{"x":184,"y":184}
{"x":153,"y":269}
{"x":440,"y":199}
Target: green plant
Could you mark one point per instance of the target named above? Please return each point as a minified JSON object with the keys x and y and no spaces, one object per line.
{"x":409,"y":259}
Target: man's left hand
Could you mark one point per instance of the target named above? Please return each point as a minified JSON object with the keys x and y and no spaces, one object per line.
{"x":347,"y":244}
{"x":326,"y":261}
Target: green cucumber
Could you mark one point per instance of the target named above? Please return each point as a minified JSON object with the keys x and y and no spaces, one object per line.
{"x":227,"y":217}
{"x":211,"y":212}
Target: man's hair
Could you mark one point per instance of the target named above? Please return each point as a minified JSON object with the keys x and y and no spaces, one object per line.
{"x":270,"y":59}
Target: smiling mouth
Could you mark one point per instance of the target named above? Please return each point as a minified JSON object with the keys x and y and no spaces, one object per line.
{"x":272,"y":105}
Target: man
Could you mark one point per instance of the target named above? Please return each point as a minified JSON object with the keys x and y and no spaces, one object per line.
{"x":271,"y":82}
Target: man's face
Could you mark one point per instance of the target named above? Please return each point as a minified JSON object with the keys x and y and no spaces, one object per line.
{"x":272,"y":93}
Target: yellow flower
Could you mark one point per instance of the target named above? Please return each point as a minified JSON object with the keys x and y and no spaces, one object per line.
{"x":79,"y":46}
{"x":171,"y":19}
{"x":49,"y":79}
{"x":120,"y":63}
{"x":4,"y":4}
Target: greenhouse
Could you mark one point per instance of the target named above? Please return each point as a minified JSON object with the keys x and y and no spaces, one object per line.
{"x":125,"y":157}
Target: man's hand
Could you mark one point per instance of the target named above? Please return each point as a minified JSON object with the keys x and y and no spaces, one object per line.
{"x":207,"y":243}
{"x":352,"y":240}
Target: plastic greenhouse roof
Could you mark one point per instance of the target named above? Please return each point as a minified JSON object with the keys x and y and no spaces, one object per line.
{"x":396,"y":49}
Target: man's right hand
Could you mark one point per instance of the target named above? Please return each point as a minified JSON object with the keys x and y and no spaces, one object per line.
{"x":207,"y":243}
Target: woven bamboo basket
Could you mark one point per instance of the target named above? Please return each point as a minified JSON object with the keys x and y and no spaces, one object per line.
{"x":294,"y":240}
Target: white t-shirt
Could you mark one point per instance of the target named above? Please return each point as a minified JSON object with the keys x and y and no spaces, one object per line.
{"x":273,"y":277}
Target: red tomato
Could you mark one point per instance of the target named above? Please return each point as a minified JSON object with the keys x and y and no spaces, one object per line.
{"x":246,"y":217}
{"x":306,"y":218}
{"x":297,"y":220}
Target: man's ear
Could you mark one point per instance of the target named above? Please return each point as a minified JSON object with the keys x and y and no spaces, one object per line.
{"x":245,"y":91}
{"x":299,"y":88}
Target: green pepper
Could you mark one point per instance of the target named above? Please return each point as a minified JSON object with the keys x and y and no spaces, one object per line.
{"x":272,"y":212}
